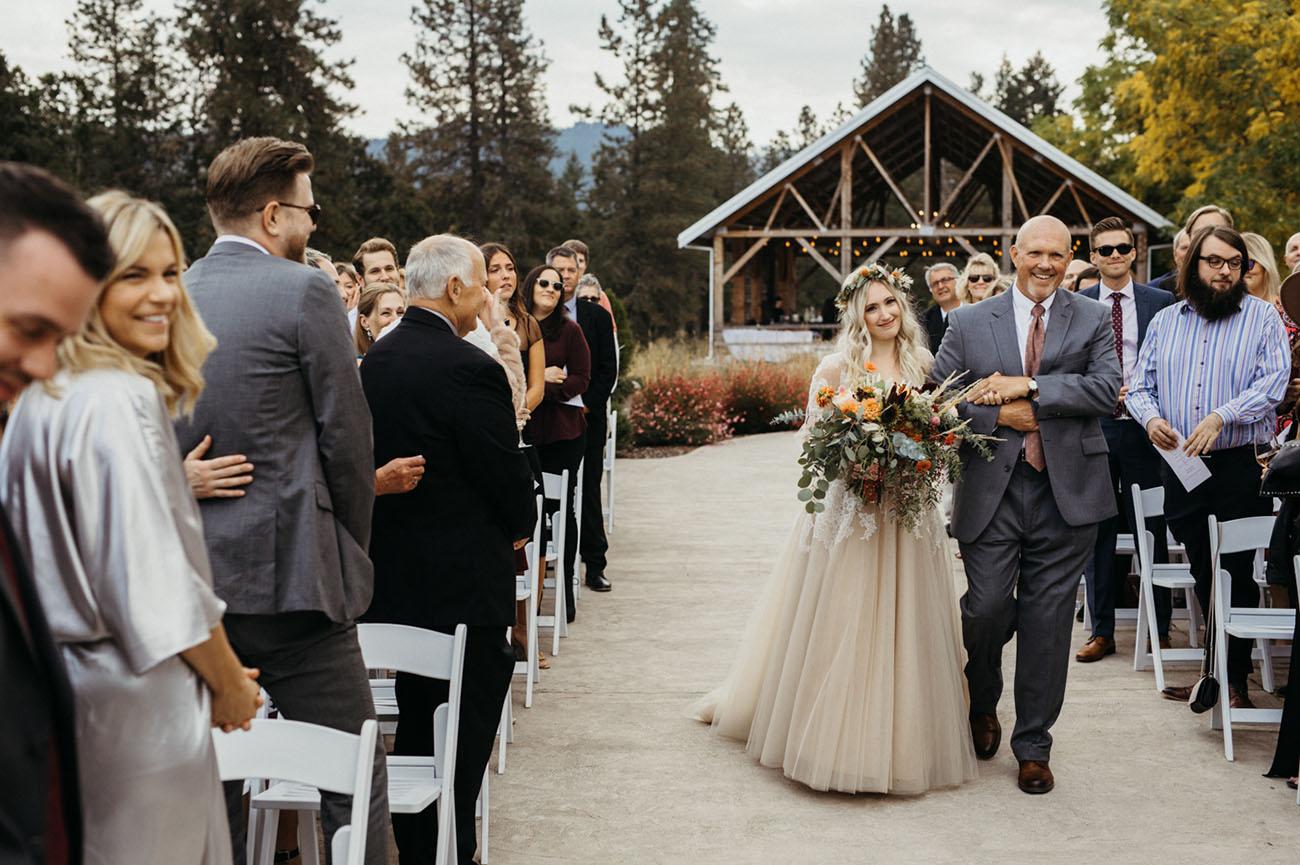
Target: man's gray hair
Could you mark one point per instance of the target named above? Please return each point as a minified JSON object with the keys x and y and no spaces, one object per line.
{"x":560,"y":252}
{"x":435,"y":260}
{"x":940,"y":266}
{"x":589,"y":279}
{"x":1180,"y":236}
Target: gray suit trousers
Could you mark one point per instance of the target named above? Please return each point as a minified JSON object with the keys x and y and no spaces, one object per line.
{"x":1022,"y":575}
{"x":312,"y":669}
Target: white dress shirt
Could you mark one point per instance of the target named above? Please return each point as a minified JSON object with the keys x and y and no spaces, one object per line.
{"x":239,"y":238}
{"x":1128,"y":308}
{"x":1023,"y":308}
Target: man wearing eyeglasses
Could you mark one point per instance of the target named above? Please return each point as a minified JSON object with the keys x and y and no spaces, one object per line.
{"x":941,"y":279}
{"x":1209,"y":377}
{"x":290,"y":556}
{"x":1133,"y":459}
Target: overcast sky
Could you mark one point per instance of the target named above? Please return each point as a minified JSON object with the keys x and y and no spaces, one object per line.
{"x":776,"y":55}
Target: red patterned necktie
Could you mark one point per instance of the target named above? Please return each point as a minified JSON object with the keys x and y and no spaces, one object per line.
{"x":1117,"y":325}
{"x":1033,"y":354}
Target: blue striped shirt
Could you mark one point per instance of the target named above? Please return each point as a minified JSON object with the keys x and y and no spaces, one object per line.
{"x":1236,"y":367}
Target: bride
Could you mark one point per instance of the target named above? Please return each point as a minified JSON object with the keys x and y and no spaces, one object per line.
{"x":849,"y":674}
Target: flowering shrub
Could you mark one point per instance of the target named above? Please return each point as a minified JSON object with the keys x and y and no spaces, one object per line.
{"x":677,"y":409}
{"x":758,"y":392}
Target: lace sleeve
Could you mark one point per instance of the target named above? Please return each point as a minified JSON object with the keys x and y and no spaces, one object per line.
{"x":827,"y":375}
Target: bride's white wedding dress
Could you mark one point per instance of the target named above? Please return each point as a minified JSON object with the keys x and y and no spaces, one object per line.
{"x":849,"y":675}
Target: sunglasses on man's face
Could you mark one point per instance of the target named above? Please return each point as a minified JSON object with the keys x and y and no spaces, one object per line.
{"x":982,"y":277}
{"x":313,"y":211}
{"x":1108,"y":250}
{"x":546,"y":283}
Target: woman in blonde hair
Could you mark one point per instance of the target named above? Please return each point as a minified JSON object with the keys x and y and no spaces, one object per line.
{"x":979,"y":280}
{"x":90,"y":469}
{"x":849,"y":676}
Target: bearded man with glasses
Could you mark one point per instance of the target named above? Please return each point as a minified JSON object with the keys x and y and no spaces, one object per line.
{"x":1133,"y":459}
{"x":1209,"y":376}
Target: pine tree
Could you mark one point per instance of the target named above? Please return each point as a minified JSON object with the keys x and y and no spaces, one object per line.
{"x":735,"y":150}
{"x":125,"y":123}
{"x":482,"y":158}
{"x":259,"y":69}
{"x":895,"y":53}
{"x":1028,"y":93}
{"x":29,"y":132}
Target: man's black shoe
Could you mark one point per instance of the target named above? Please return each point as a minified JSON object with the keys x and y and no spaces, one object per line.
{"x":598,"y":583}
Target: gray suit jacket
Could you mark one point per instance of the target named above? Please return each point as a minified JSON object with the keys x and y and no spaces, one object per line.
{"x":1078,"y":383}
{"x":282,"y":388}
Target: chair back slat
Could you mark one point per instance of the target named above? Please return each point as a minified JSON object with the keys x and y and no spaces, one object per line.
{"x":291,"y":751}
{"x":1247,"y":533}
{"x":407,"y":650}
{"x":555,"y":487}
{"x":1152,"y":501}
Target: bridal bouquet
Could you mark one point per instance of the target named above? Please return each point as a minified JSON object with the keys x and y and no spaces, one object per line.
{"x":887,"y":443}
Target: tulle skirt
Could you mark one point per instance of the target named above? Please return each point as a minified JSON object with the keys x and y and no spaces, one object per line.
{"x":849,"y":676}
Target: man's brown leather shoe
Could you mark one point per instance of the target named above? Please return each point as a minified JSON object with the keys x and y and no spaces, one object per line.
{"x":1165,"y":644}
{"x":1035,"y":777}
{"x":1095,"y":649}
{"x":986,"y":734}
{"x":1178,"y":693}
{"x":1239,"y":698}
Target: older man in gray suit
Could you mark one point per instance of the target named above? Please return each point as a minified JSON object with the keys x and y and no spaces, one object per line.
{"x":289,"y":558}
{"x":1026,"y":520}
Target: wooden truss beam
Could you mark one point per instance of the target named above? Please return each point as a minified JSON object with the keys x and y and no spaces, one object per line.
{"x":898,"y":193}
{"x":1010,"y":173}
{"x":780,"y":199}
{"x":882,"y":249}
{"x":744,"y":259}
{"x":1065,"y":184}
{"x":928,"y":195}
{"x":1083,"y":211}
{"x":817,"y":257}
{"x":846,"y":206}
{"x":967,"y":231}
{"x":806,"y":209}
{"x":970,"y":172}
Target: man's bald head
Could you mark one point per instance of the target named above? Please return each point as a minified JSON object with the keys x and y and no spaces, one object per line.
{"x":1041,"y":253}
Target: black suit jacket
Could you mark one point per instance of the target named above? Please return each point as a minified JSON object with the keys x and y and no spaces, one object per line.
{"x":442,"y":552}
{"x":38,"y":714}
{"x":598,"y":327}
{"x":1148,"y":301}
{"x":935,"y":326}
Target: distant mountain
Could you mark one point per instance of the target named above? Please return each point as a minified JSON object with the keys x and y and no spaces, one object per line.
{"x":582,"y":138}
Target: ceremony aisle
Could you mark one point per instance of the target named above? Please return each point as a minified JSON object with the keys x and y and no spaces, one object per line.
{"x":607,"y":769}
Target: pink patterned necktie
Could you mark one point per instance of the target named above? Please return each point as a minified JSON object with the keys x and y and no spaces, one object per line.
{"x":1033,"y":354}
{"x":1117,"y":325}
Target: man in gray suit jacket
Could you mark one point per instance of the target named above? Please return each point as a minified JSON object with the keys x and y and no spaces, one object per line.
{"x":1027,"y":519}
{"x":289,"y":558}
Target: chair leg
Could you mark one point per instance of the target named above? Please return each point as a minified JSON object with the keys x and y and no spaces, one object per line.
{"x":1221,"y":671}
{"x":503,"y":736}
{"x":531,"y":675}
{"x":270,"y":825}
{"x":1195,"y":619}
{"x":1266,"y":665}
{"x":307,"y":838}
{"x":484,"y":799}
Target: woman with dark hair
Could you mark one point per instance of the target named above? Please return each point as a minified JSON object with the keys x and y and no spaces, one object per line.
{"x":556,"y":428}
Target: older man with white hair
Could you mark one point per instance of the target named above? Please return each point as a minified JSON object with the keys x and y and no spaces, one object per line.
{"x":941,"y":279}
{"x":443,"y":551}
{"x":1292,"y":253}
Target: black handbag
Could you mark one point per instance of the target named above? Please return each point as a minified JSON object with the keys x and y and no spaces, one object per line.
{"x":1282,"y":477}
{"x":1205,"y":693}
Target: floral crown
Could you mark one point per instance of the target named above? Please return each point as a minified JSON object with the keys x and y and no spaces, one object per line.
{"x":869,"y":273}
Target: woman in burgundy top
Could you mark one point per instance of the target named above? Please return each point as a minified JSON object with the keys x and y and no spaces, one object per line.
{"x":557,"y":427}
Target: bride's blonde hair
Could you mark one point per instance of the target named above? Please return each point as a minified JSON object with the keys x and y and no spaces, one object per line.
{"x":177,"y":371}
{"x":912,"y":353}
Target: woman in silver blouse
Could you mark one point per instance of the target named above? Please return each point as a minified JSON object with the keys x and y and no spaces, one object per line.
{"x":91,"y":474}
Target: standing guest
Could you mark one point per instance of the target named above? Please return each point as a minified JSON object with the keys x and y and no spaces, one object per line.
{"x":598,"y":330}
{"x":1261,"y":275}
{"x":380,"y":305}
{"x":558,"y":425}
{"x":584,"y":262}
{"x":941,"y":279}
{"x":589,"y":288}
{"x":442,"y":552}
{"x":1206,"y":216}
{"x":53,"y":255}
{"x":1133,"y":460}
{"x":349,"y":286}
{"x":1209,"y":376}
{"x":319,"y":260}
{"x":978,"y":279}
{"x":376,"y":261}
{"x":289,"y":558}
{"x":1292,"y":253}
{"x":92,"y":474}
{"x":1072,"y":271}
{"x":1169,"y":281}
{"x":1088,"y":278}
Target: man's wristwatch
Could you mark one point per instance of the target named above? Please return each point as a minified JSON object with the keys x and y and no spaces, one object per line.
{"x":1033,"y":389}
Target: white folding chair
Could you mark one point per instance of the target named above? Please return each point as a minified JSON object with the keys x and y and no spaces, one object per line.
{"x":526,"y":589}
{"x":611,"y":449}
{"x":1250,"y":534}
{"x":1176,"y":576}
{"x":578,"y":567}
{"x":316,"y":757}
{"x":556,"y":488}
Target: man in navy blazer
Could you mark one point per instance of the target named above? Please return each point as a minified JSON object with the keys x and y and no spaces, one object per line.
{"x":1133,"y":459}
